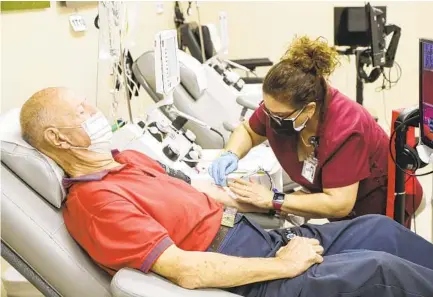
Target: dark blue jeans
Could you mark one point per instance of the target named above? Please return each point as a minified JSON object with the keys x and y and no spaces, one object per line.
{"x":370,"y":256}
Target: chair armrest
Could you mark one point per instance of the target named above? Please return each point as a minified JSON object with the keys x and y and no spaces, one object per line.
{"x":254,"y":63}
{"x":133,"y":283}
{"x":246,"y":102}
{"x":265,"y":221}
{"x":229,"y":127}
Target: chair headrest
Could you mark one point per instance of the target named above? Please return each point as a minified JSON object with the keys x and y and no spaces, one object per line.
{"x":192,"y":75}
{"x":190,"y":38}
{"x":214,"y":38}
{"x":34,"y":168}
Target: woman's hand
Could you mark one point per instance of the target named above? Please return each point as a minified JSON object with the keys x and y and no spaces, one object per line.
{"x":223,"y":165}
{"x":252,"y":193}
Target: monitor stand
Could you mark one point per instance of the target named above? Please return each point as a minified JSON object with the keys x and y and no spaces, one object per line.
{"x":359,"y":62}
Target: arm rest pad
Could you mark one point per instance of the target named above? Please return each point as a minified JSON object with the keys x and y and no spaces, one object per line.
{"x":254,"y":63}
{"x":265,"y":221}
{"x":245,"y":101}
{"x":229,"y":126}
{"x":133,"y":283}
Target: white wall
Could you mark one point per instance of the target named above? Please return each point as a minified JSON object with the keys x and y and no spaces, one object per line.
{"x":39,"y":49}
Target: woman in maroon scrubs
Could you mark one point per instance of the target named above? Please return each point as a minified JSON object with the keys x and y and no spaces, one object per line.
{"x":326,"y":142}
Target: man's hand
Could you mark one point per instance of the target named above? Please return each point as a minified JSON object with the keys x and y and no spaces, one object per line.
{"x":252,"y":193}
{"x":301,"y":253}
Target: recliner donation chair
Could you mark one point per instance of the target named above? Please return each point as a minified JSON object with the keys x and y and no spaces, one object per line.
{"x":35,"y":241}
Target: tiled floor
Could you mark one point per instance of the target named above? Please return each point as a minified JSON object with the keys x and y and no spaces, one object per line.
{"x":4,"y":266}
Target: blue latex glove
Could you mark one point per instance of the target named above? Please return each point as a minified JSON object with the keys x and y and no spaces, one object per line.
{"x":222,"y":166}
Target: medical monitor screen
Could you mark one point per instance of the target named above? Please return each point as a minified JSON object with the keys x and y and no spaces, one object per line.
{"x":426,"y":91}
{"x":376,"y":32}
{"x":351,"y":26}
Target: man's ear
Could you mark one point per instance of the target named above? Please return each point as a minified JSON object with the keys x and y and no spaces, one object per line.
{"x":55,"y":139}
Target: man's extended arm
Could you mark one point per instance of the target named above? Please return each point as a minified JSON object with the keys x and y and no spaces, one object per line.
{"x":223,"y":197}
{"x":194,"y":270}
{"x":212,"y":191}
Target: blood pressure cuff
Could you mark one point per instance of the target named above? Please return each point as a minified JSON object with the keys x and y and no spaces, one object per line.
{"x":175,"y":173}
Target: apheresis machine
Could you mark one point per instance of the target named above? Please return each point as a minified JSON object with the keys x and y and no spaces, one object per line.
{"x":158,"y":137}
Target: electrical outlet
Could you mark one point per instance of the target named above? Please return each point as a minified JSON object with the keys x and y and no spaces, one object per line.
{"x":77,"y":23}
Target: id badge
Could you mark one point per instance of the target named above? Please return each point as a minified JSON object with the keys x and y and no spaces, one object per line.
{"x":309,"y":168}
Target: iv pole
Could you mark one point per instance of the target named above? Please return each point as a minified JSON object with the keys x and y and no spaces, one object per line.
{"x":114,"y":21}
{"x":125,"y":82}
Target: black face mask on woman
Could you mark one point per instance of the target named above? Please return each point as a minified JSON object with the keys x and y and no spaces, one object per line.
{"x":286,"y":126}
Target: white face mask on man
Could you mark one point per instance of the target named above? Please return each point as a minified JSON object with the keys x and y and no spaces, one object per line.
{"x":99,"y":131}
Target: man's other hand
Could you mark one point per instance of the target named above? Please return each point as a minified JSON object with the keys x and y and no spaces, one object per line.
{"x":300,"y":254}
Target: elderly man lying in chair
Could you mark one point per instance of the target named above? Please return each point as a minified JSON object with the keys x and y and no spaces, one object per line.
{"x":126,"y":211}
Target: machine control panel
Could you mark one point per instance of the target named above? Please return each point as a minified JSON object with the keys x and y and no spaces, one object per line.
{"x":166,"y":61}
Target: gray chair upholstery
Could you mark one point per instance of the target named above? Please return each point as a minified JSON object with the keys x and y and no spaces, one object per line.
{"x":35,"y":231}
{"x":128,"y":282}
{"x":32,"y":225}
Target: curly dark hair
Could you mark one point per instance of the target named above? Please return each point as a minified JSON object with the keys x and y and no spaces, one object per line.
{"x":300,"y":76}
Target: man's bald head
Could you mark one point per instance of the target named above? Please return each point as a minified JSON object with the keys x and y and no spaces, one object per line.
{"x":52,"y":122}
{"x":46,"y":108}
